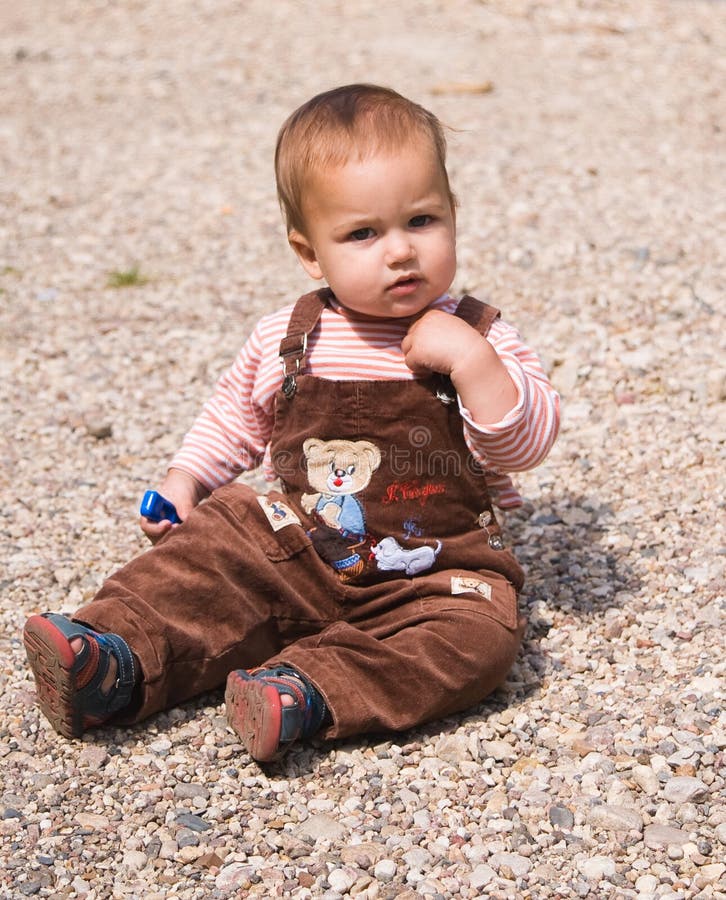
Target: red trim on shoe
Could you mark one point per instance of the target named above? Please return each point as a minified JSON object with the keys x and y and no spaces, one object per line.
{"x":254,"y":710}
{"x":52,"y":658}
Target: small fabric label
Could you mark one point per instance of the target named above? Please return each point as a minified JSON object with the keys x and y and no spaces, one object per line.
{"x":461,"y":584}
{"x":279,"y":514}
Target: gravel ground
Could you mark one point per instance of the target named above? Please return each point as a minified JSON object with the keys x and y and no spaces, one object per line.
{"x":139,"y":241}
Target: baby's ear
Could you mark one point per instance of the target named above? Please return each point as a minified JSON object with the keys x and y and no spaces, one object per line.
{"x":305,"y":252}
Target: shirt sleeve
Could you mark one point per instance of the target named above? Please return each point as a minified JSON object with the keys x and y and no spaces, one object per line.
{"x":524,"y":437}
{"x":230,"y":434}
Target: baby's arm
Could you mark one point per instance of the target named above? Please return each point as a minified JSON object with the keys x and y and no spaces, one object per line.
{"x":529,"y":418}
{"x":441,"y":342}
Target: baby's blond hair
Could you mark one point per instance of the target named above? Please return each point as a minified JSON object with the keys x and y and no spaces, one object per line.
{"x":353,"y":120}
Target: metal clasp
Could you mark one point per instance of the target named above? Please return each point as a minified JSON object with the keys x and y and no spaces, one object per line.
{"x":445,"y":392}
{"x":292,"y":350}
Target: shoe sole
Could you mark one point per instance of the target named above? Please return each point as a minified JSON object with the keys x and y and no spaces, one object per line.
{"x":254,"y":711}
{"x":51,"y":658}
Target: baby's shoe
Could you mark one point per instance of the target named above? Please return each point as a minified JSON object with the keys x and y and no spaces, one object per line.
{"x":69,"y":684}
{"x":256,"y":712}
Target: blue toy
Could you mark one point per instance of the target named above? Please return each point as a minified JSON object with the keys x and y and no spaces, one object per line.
{"x":157,"y":508}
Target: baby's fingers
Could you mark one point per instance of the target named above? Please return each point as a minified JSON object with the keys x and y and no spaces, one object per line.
{"x":154,"y":531}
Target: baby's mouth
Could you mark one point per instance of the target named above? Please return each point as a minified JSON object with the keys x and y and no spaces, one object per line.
{"x":404,"y":285}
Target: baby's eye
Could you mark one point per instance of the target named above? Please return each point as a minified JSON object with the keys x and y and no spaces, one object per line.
{"x":361,"y":234}
{"x":420,"y":221}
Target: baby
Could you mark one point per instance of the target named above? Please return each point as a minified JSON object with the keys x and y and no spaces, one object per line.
{"x":391,"y":412}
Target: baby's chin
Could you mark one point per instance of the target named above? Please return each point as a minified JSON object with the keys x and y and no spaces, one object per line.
{"x":395,"y":310}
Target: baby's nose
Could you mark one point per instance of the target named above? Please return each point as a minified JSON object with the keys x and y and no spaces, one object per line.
{"x":399,"y":248}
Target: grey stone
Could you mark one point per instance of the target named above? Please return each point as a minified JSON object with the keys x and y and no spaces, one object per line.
{"x":187,"y":791}
{"x":660,"y":836}
{"x":561,"y":817}
{"x":186,"y":837}
{"x":684,"y":789}
{"x":615,"y":818}
{"x":195,"y":823}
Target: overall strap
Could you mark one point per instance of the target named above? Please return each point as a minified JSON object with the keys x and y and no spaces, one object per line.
{"x":293,"y":347}
{"x":477,"y":314}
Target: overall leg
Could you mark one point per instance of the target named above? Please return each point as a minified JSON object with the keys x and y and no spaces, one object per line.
{"x":222,"y":591}
{"x":417,"y":653}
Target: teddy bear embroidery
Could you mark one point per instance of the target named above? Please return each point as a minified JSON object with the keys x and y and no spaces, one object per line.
{"x":338,"y":471}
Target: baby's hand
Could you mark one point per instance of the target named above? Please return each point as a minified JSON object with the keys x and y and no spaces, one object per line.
{"x":184,"y":492}
{"x":440,"y":342}
{"x":437,"y":341}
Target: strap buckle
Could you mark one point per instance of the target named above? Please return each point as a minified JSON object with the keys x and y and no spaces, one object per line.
{"x":293,"y":348}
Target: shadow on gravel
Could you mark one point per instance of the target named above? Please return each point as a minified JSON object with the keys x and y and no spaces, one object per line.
{"x":571,"y":564}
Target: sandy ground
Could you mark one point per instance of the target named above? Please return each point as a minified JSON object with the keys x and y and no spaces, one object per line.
{"x":588,"y":155}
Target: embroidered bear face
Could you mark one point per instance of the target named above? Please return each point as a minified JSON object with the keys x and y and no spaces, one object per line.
{"x":339,"y":466}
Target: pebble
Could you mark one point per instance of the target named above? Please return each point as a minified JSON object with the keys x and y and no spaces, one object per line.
{"x":385,"y":870}
{"x":646,"y":885}
{"x":92,"y":820}
{"x":481,"y":876}
{"x":684,"y":789}
{"x":320,"y":827}
{"x":615,"y":818}
{"x":189,"y":791}
{"x":192,"y":822}
{"x":710,"y":874}
{"x":661,"y":836}
{"x":597,"y":867}
{"x":646,"y":779}
{"x":519,"y":865}
{"x":135,"y":860}
{"x":235,"y":876}
{"x":342,"y":880}
{"x":561,"y":817}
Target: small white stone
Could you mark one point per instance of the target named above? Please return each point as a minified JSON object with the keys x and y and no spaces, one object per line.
{"x":481,"y":876}
{"x":646,"y":779}
{"x":519,"y":865}
{"x":80,"y":886}
{"x":168,"y":849}
{"x":597,"y":867}
{"x":341,"y":880}
{"x":136,"y":860}
{"x":385,"y":870}
{"x":422,"y":818}
{"x":647,"y":883}
{"x":417,"y":858}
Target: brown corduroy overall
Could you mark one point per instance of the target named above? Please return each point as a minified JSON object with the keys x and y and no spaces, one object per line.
{"x":379,"y":573}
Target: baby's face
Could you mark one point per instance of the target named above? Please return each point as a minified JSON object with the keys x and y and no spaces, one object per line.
{"x":382,"y":232}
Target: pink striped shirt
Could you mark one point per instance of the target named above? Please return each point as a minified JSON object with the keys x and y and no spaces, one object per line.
{"x":232,"y":433}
